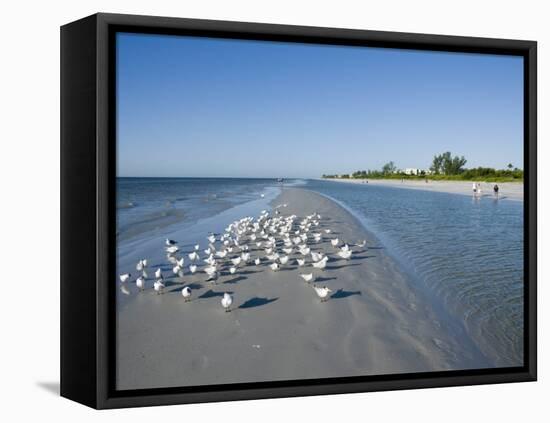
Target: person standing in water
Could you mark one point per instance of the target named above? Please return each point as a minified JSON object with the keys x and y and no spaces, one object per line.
{"x":495,"y":190}
{"x":474,"y":188}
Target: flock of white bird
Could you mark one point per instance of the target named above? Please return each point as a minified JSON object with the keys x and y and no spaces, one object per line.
{"x":275,"y":240}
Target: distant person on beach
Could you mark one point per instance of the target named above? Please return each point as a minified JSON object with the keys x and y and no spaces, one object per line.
{"x":495,"y":190}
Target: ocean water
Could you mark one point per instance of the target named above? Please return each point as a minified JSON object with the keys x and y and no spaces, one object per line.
{"x":152,"y":204}
{"x":467,"y":253}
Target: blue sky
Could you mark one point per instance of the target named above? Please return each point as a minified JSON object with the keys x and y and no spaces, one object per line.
{"x":190,"y":106}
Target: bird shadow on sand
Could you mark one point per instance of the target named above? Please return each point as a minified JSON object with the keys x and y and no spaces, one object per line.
{"x":257,"y":302}
{"x":235,"y":280}
{"x":249,"y":272}
{"x":190,"y":285}
{"x":325,"y":279}
{"x":344,"y":294}
{"x":211,"y":294}
{"x":171,"y":283}
{"x":285,"y":268}
{"x":194,"y":285}
{"x":343,"y":266}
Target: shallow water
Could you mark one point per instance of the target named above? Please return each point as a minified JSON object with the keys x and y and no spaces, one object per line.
{"x":468,"y":252}
{"x":151,"y":204}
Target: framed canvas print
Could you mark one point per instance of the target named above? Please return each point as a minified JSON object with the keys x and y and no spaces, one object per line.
{"x":255,"y":211}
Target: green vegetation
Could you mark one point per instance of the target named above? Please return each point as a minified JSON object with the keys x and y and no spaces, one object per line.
{"x":444,"y":167}
{"x":389,"y":168}
{"x":447,"y":165}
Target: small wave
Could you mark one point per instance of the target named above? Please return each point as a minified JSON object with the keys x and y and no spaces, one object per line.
{"x":149,"y":222}
{"x":126,"y":205}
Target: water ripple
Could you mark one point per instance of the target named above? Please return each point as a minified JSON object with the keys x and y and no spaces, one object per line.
{"x":469,"y":253}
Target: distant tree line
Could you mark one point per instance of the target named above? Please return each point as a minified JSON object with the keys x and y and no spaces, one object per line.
{"x":444,"y":167}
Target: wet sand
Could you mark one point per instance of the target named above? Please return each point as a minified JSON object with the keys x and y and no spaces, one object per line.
{"x":377,"y":321}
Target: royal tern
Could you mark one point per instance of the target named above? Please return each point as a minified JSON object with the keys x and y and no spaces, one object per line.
{"x":186,"y":293}
{"x":227,"y":300}
{"x":308,"y":277}
{"x":322,"y":292}
{"x":124,"y":277}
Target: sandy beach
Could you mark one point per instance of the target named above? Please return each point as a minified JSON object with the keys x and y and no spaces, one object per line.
{"x":507,"y":190}
{"x":377,"y":321}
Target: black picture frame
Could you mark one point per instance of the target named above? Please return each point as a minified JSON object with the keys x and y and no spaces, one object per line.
{"x":88,"y":212}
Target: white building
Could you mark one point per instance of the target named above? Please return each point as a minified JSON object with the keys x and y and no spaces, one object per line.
{"x":416,"y":171}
